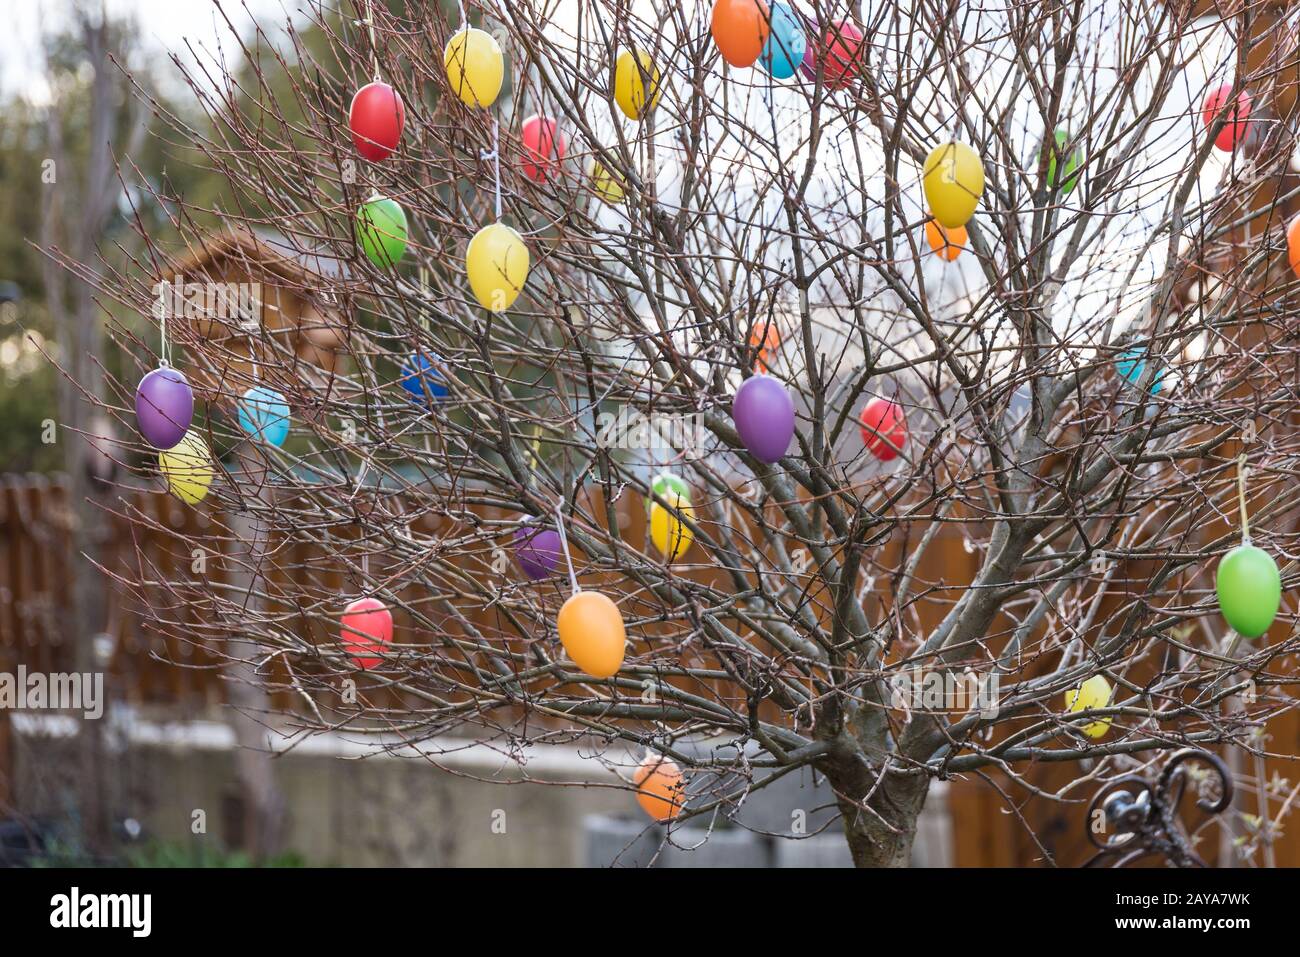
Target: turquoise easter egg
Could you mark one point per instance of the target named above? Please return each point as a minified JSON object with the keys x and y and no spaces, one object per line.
{"x":783,"y":52}
{"x":1131,"y":366}
{"x":264,"y":415}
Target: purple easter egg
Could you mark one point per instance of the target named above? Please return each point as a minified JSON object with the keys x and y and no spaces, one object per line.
{"x":164,"y":407}
{"x":537,"y":551}
{"x":809,"y":65}
{"x":764,"y":415}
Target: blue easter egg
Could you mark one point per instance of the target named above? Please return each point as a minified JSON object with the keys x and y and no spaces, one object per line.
{"x":423,"y":380}
{"x":783,"y":52}
{"x":1131,"y":367}
{"x":264,"y":415}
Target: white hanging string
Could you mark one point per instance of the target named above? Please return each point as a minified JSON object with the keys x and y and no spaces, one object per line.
{"x":1242,"y":469}
{"x":369,"y":23}
{"x":495,"y":157}
{"x":164,"y":351}
{"x":564,"y":543}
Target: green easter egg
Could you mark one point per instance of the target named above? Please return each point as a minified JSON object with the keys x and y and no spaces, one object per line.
{"x":381,"y":231}
{"x":1072,"y":163}
{"x":665,"y":485}
{"x":1249,"y":589}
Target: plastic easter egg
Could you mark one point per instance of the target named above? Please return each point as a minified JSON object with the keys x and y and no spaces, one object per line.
{"x":666,"y":485}
{"x":1069,"y":176}
{"x":1293,"y":244}
{"x":954,"y":181}
{"x":607,"y":186}
{"x":764,"y":416}
{"x":948,"y":243}
{"x":376,"y":119}
{"x":1131,"y":365}
{"x":670,"y":534}
{"x":783,"y":50}
{"x":766,"y":338}
{"x":423,"y":379}
{"x":591,"y":630}
{"x":739,"y":29}
{"x":538,"y":551}
{"x":841,"y":51}
{"x":366,"y":629}
{"x":884,"y":428}
{"x":381,"y":231}
{"x":187,"y":469}
{"x":497,"y":265}
{"x":264,"y":415}
{"x":1093,"y":693}
{"x":659,"y":787}
{"x":164,"y":407}
{"x":475,"y":67}
{"x":1236,"y":123}
{"x":1249,"y":589}
{"x":633,"y":72}
{"x":544,"y":148}
{"x":808,"y":66}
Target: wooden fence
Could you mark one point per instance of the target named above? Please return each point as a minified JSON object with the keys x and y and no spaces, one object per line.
{"x":995,"y":823}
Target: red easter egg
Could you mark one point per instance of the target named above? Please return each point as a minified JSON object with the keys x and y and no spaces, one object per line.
{"x":376,"y":120}
{"x":544,"y":147}
{"x":1235,"y":124}
{"x":884,"y":430}
{"x":367,"y":627}
{"x":842,"y":46}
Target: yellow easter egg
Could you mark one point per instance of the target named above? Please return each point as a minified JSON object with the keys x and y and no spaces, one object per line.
{"x":1093,"y":693}
{"x":953,"y":179}
{"x":607,"y":186}
{"x":475,"y":67}
{"x":592,"y":632}
{"x":670,"y":534}
{"x":187,"y":468}
{"x":632,"y":71}
{"x":497,"y":265}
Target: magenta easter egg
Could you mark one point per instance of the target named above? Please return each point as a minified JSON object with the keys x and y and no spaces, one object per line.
{"x":164,"y":407}
{"x":809,"y":65}
{"x":764,"y":415}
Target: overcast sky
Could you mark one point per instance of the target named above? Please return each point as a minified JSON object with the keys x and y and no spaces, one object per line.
{"x":164,"y":26}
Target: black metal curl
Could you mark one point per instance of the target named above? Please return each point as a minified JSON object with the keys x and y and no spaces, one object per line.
{"x":1142,"y":818}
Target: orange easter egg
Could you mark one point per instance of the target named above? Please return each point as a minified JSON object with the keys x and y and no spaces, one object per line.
{"x":740,"y":28}
{"x":764,"y":337}
{"x":946,"y":242}
{"x":1293,"y":244}
{"x":659,"y":787}
{"x":591,"y":630}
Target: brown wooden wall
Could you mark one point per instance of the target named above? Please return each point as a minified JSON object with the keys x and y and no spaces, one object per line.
{"x":992,"y":818}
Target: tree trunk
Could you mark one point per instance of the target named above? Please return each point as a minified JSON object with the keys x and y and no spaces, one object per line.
{"x":264,"y":806}
{"x":879,"y":834}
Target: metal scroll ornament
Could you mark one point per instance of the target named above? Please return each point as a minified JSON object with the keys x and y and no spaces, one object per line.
{"x":1142,"y":818}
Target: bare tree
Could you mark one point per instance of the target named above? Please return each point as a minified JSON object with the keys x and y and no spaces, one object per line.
{"x":1077,"y":387}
